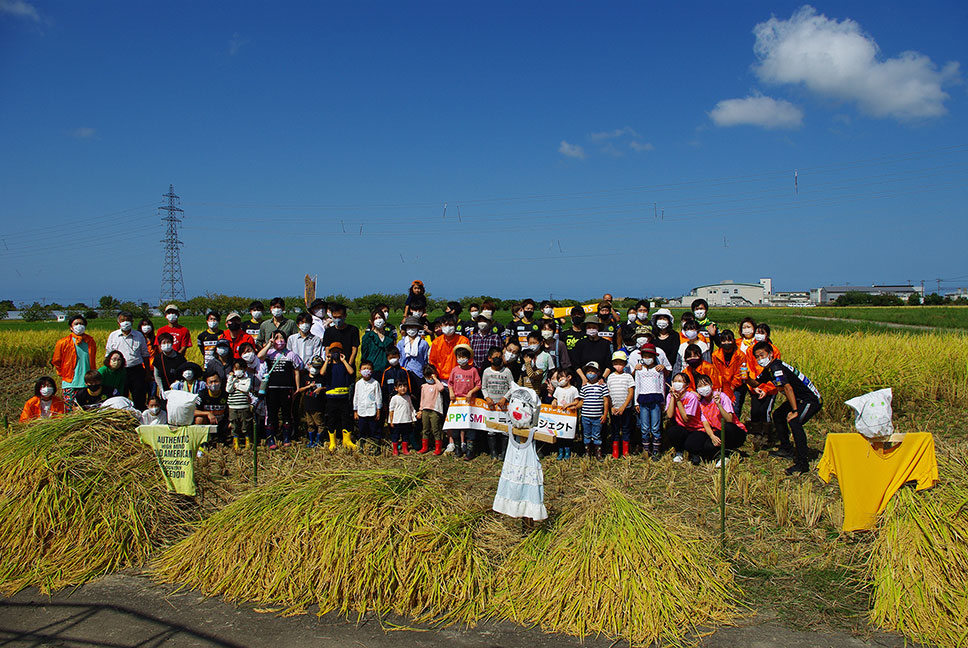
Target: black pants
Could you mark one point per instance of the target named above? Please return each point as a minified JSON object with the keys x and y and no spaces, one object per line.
{"x":760,"y":407}
{"x":739,"y":399}
{"x":676,"y":436}
{"x":699,"y":444}
{"x":136,"y":386}
{"x":807,"y":409}
{"x":369,"y":427}
{"x":278,"y":407}
{"x":339,"y":415}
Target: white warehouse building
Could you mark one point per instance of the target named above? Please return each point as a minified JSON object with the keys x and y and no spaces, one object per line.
{"x":730,"y":293}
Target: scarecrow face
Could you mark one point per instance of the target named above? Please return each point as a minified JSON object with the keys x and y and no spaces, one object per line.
{"x":520,"y":411}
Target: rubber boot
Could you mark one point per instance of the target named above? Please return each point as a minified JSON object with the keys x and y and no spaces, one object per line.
{"x":313,"y":439}
{"x":561,"y":454}
{"x":615,"y":450}
{"x":589,"y":451}
{"x":424,"y":447}
{"x":438,"y":448}
{"x":405,"y":449}
{"x":271,"y":438}
{"x":286,"y":435}
{"x":348,"y":442}
{"x":332,"y":442}
{"x":393,"y":449}
{"x":598,"y":452}
{"x":492,"y":446}
{"x":235,"y":445}
{"x":625,"y":448}
{"x":248,"y":443}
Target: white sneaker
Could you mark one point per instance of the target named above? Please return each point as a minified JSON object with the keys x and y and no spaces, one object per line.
{"x":677,"y":458}
{"x":450,"y":448}
{"x":719,"y":463}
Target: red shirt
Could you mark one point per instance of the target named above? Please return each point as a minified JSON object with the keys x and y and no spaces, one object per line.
{"x":241,"y":338}
{"x":182,"y":338}
{"x":462,"y":381}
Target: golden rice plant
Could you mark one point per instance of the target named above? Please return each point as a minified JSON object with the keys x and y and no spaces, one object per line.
{"x":779,"y":498}
{"x":809,"y":503}
{"x":81,"y":497}
{"x":835,"y":514}
{"x":608,"y":566}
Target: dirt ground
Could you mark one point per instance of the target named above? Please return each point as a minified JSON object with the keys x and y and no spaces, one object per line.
{"x":127,"y":610}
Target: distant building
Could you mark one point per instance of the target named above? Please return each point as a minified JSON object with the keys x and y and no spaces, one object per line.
{"x":791,"y":298}
{"x":829,"y":294}
{"x":731,"y":293}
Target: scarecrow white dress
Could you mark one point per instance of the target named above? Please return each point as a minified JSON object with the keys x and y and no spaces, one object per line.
{"x":520,"y":491}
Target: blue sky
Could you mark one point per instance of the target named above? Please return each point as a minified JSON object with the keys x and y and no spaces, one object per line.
{"x":555,"y":132}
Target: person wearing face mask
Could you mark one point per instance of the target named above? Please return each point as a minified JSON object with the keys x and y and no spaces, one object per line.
{"x":572,"y":334}
{"x":239,"y":386}
{"x":452,"y":309}
{"x":523,"y":322}
{"x":762,"y":396}
{"x":719,"y":424}
{"x":303,"y":343}
{"x":690,"y":338}
{"x":641,"y":321}
{"x":488,"y":310}
{"x":208,"y":338}
{"x":744,"y":344}
{"x":594,"y":402}
{"x":282,"y":378}
{"x":113,"y":371}
{"x":395,"y":373}
{"x":468,"y":327}
{"x":547,"y":314}
{"x":235,"y":334}
{"x":134,"y":348}
{"x":277,"y":322}
{"x":465,"y":382}
{"x":376,"y":342}
{"x":665,"y":335}
{"x":727,"y":362}
{"x":212,"y":407}
{"x":312,"y":393}
{"x":182,"y":338}
{"x":338,"y":378}
{"x":649,"y":375}
{"x":91,"y":397}
{"x":147,"y":328}
{"x":346,"y":334}
{"x":608,"y":328}
{"x":682,"y":411}
{"x":661,"y":360}
{"x":484,"y":337}
{"x":73,"y":357}
{"x":592,"y":348}
{"x":803,"y":402}
{"x":700,"y":312}
{"x":45,"y":403}
{"x":317,"y":310}
{"x":512,"y":358}
{"x":694,"y":364}
{"x":621,"y":392}
{"x":155,"y":413}
{"x":166,"y":363}
{"x":551,"y":343}
{"x":441,"y":354}
{"x":416,"y":300}
{"x":413,"y":351}
{"x":367,"y":399}
{"x":253,"y":325}
{"x":221,"y":362}
{"x":190,"y":379}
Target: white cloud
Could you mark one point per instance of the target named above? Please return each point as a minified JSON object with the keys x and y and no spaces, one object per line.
{"x":20,"y":8}
{"x":83,"y":132}
{"x":612,"y":134}
{"x":757,"y":110}
{"x":571,"y":150}
{"x":640,"y":147}
{"x":838,"y":60}
{"x":236,"y":43}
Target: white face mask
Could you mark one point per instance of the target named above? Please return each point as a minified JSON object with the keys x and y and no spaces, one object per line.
{"x":510,"y":357}
{"x":642,"y":316}
{"x":78,"y":329}
{"x":487,"y":313}
{"x":313,"y":371}
{"x":187,"y":375}
{"x":379,"y":322}
{"x":764,"y":362}
{"x":482,"y":326}
{"x":546,"y":334}
{"x":239,"y":373}
{"x":746,"y":332}
{"x":366,"y":373}
{"x":648,"y":362}
{"x":640,"y":341}
{"x":393,"y":361}
{"x":699,"y":314}
{"x":165,"y":348}
{"x":662,"y":323}
{"x":690,"y":334}
{"x":172,"y":317}
{"x":412,"y":332}
{"x":318,"y":313}
{"x":463,"y":361}
{"x":154,"y":410}
{"x":304,"y":327}
{"x":276,"y":312}
{"x":125,"y":326}
{"x":47,"y":391}
{"x":760,"y":337}
{"x":416,"y":314}
{"x":555,"y":383}
{"x":631,"y":317}
{"x":248,"y":356}
{"x":213,"y":324}
{"x":256,"y":315}
{"x":591,"y":332}
{"x":531,"y":347}
{"x":146,"y":329}
{"x":549,"y":311}
{"x":678,"y":386}
{"x":474,"y":314}
{"x":704,"y":390}
{"x":447,"y":330}
{"x":519,"y":314}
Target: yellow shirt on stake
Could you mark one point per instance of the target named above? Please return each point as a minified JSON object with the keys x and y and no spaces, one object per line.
{"x":175,"y":449}
{"x":870,"y":476}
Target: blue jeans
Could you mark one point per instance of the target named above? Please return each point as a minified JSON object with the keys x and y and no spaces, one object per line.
{"x":650,"y":422}
{"x":622,"y":425}
{"x":592,"y":429}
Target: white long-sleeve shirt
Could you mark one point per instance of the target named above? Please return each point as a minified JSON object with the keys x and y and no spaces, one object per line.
{"x":367,"y":397}
{"x":401,"y":410}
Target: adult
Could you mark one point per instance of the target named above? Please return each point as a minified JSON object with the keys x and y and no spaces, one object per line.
{"x":321,"y":321}
{"x":522,"y":322}
{"x":592,"y":348}
{"x":642,"y":323}
{"x":376,"y":342}
{"x":607,"y":298}
{"x":485,"y":336}
{"x":666,"y":336}
{"x":73,"y":357}
{"x":442,"y":349}
{"x":147,"y":328}
{"x":235,"y":334}
{"x":512,"y":357}
{"x":166,"y":363}
{"x":414,"y":348}
{"x":45,"y":403}
{"x":551,"y":343}
{"x":278,"y":322}
{"x":134,"y":348}
{"x":221,"y":362}
{"x":609,"y":328}
{"x":181,"y":337}
{"x":571,"y":335}
{"x":208,"y":338}
{"x":346,"y":334}
{"x":303,"y":343}
{"x":253,"y":325}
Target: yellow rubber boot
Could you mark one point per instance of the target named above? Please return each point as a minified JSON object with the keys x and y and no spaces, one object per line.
{"x":235,"y":444}
{"x":248,"y":443}
{"x":332,"y":442}
{"x":348,"y":442}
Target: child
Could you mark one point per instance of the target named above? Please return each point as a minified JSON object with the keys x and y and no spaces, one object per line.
{"x":727,"y":364}
{"x":594,"y":402}
{"x":762,"y":395}
{"x":208,"y":338}
{"x":44,"y":404}
{"x":497,"y":381}
{"x":212,"y":405}
{"x":690,"y":337}
{"x":314,"y":403}
{"x":239,"y":385}
{"x":803,"y":401}
{"x":695,"y":364}
{"x":338,"y":376}
{"x":666,"y":337}
{"x":719,"y":425}
{"x":366,"y":404}
{"x":155,"y":414}
{"x":394,"y":374}
{"x":565,"y":397}
{"x":621,"y":394}
{"x":401,"y":418}
{"x":744,"y":345}
{"x":282,"y":378}
{"x":682,"y":410}
{"x":649,"y":375}
{"x":707,"y":327}
{"x":166,"y":363}
{"x":113,"y":372}
{"x":431,"y":412}
{"x":464,"y":382}
{"x":94,"y":393}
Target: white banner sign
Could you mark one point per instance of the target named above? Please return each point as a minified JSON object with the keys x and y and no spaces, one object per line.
{"x":475,"y":414}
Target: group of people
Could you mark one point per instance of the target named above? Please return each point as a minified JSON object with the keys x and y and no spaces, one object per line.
{"x":261,"y":377}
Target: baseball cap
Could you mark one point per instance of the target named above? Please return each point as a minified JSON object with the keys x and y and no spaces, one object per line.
{"x":620,"y":355}
{"x":592,"y":364}
{"x":172,"y":307}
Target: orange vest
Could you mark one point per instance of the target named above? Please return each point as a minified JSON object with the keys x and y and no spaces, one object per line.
{"x":705,"y":369}
{"x":65,"y":357}
{"x":725,"y":376}
{"x":32,"y":408}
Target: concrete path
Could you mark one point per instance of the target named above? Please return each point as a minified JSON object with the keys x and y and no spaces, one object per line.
{"x":124,"y":611}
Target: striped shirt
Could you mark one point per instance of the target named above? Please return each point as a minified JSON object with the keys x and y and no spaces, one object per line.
{"x":593,"y":399}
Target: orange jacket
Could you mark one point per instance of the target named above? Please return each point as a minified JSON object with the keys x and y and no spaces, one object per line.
{"x":755,"y":369}
{"x":702,"y":337}
{"x":65,"y":357}
{"x":704,"y":368}
{"x":442,"y":354}
{"x":726,"y":376}
{"x":32,"y":408}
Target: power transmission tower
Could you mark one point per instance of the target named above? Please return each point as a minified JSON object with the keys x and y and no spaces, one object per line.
{"x":172,"y":283}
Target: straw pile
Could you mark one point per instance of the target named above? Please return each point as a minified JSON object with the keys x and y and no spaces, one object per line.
{"x":919,"y":563}
{"x":608,"y":566}
{"x":81,"y":497}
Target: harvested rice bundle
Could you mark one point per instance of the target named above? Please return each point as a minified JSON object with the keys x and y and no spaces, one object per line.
{"x":378,"y":540}
{"x":610,"y":567}
{"x":919,"y":563}
{"x":81,"y":497}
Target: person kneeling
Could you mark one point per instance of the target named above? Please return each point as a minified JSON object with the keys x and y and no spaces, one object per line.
{"x":718,"y":424}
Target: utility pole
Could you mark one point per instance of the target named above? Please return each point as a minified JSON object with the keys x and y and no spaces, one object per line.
{"x":172,"y":283}
{"x":939,"y":285}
